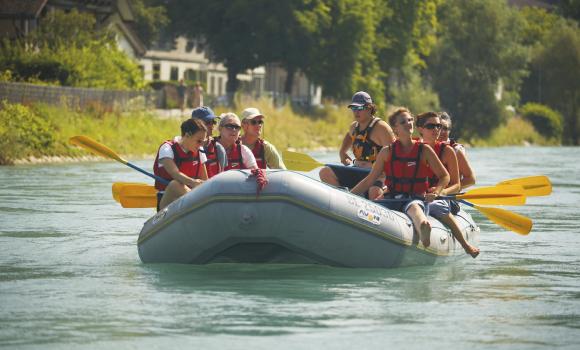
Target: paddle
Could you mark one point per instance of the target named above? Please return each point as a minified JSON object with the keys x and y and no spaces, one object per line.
{"x":507,"y":219}
{"x":494,"y":195}
{"x":538,"y":185}
{"x":117,"y":186}
{"x":102,"y":150}
{"x":137,"y":196}
{"x":300,"y":161}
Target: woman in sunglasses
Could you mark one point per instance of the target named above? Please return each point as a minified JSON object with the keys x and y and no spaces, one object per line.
{"x":238,"y":155}
{"x":180,"y":162}
{"x":408,"y":164}
{"x":429,"y":126}
{"x":266,"y":154}
{"x":366,"y":136}
{"x":466,"y":173}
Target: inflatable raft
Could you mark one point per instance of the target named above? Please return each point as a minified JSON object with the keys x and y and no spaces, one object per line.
{"x":294,"y":219}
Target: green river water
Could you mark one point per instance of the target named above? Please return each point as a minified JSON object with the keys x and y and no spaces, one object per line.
{"x":70,"y":276}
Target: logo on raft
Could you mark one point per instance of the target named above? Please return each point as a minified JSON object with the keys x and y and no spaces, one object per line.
{"x":368,"y":216}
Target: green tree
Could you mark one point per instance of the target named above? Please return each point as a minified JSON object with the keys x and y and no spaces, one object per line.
{"x":477,"y":55}
{"x":151,"y":19}
{"x":559,"y":63}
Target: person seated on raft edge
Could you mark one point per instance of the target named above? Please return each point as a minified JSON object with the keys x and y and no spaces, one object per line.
{"x":214,"y":151}
{"x":238,"y":155}
{"x":408,"y":164}
{"x":466,"y":173}
{"x":429,"y":126}
{"x":367,"y":135}
{"x":181,"y":162}
{"x":266,"y":154}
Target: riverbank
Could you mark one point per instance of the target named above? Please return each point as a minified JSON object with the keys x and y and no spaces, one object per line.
{"x":40,"y":133}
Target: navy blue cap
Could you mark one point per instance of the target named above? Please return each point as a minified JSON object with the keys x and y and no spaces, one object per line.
{"x":204,"y":113}
{"x":360,"y":98}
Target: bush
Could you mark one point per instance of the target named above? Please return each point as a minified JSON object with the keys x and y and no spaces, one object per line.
{"x":23,"y":133}
{"x":545,"y":120}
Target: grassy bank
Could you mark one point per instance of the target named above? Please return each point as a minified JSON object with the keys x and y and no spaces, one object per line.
{"x":43,"y":131}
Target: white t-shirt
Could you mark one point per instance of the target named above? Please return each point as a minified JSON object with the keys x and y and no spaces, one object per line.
{"x":248,"y":157}
{"x":165,"y":151}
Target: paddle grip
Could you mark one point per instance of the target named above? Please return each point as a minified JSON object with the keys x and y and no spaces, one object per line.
{"x":160,"y":179}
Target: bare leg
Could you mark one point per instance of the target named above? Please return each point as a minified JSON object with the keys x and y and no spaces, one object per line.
{"x":450,"y":221}
{"x":421,"y":223}
{"x":327,"y":175}
{"x":173,"y":191}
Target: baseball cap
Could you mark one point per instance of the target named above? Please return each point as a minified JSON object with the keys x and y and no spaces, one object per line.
{"x":360,"y":98}
{"x":251,"y":113}
{"x":204,"y":113}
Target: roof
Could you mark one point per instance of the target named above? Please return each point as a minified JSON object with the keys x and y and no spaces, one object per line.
{"x":21,"y":9}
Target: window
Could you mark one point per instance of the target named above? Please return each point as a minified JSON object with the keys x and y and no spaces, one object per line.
{"x":174,"y":75}
{"x":220,"y":85}
{"x":212,"y":86}
{"x":156,"y":71}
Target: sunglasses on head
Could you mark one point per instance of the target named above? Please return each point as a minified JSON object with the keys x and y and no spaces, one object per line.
{"x":232,"y":127}
{"x":357,"y":108}
{"x":256,"y":122}
{"x":432,"y":126}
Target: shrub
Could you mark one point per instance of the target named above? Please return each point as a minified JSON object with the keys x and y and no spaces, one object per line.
{"x":545,"y":120}
{"x":23,"y":133}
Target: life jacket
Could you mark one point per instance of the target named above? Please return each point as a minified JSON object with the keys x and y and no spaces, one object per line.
{"x":363,"y":148}
{"x":186,"y":162}
{"x":259,"y":154}
{"x":235,"y":160}
{"x":406,"y":173}
{"x":212,"y":164}
{"x":439,"y":149}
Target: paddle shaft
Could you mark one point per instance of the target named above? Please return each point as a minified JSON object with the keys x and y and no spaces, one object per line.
{"x":160,"y":179}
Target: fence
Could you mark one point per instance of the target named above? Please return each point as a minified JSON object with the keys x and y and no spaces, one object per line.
{"x":80,"y":98}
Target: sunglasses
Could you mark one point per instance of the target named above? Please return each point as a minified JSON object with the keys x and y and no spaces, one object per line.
{"x":232,"y":127}
{"x":431,"y":126}
{"x":357,"y":108}
{"x":445,"y":128}
{"x":408,"y":120}
{"x":211,"y":122}
{"x":256,"y":122}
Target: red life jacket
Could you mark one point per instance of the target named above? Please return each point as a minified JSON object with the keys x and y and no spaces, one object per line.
{"x":186,"y":162}
{"x":363,"y":148}
{"x":259,"y":154}
{"x":212,"y":164}
{"x":439,"y":148}
{"x":406,"y":173}
{"x":235,"y":160}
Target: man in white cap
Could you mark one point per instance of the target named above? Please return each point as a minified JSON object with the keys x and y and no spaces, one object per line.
{"x":366,"y":136}
{"x":266,"y":154}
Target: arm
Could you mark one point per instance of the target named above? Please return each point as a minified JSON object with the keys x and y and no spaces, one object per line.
{"x":450,"y":162}
{"x":345,"y":146}
{"x":272,"y":156}
{"x":178,"y":176}
{"x":383,"y":134}
{"x":467,"y":174}
{"x":221,"y":156}
{"x":378,"y":167}
{"x":438,"y":169}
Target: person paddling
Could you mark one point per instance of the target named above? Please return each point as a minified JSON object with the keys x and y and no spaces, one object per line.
{"x":215,"y":152}
{"x":466,"y":173}
{"x":366,"y":136}
{"x":408,"y":164}
{"x":429,"y":126}
{"x":266,"y":154}
{"x":180,"y":162}
{"x":238,"y":155}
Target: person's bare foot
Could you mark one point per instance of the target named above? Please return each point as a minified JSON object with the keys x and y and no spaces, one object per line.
{"x":471,"y":250}
{"x":425,"y":233}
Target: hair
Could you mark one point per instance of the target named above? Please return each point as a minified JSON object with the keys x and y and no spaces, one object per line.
{"x":421,"y":118}
{"x":393,"y":117}
{"x":444,"y":116}
{"x":226,"y":117}
{"x":371,"y":107}
{"x":192,"y":126}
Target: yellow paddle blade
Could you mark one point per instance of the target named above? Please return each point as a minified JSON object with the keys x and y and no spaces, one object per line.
{"x":118,"y":186}
{"x":300,"y":161}
{"x":138,"y":196}
{"x":539,"y":185}
{"x":495,"y":195}
{"x":95,"y":147}
{"x":507,"y":219}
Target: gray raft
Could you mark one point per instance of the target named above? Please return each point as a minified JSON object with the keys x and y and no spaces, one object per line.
{"x":295,"y":219}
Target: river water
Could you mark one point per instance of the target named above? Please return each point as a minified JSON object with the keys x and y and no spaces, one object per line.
{"x":70,"y":276}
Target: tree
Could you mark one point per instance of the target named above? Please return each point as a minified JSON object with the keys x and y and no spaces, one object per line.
{"x":559,"y":63}
{"x":478,"y":53}
{"x":151,"y":19}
